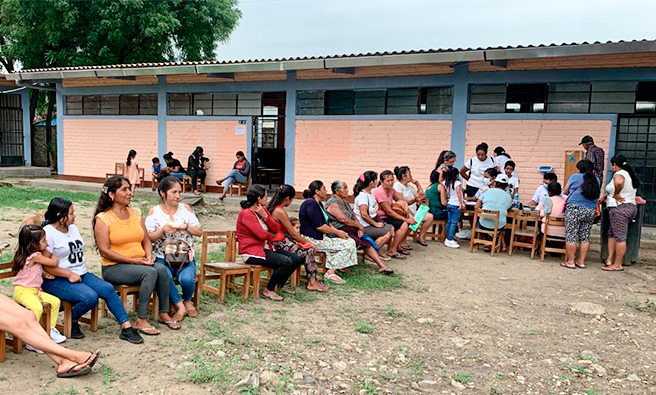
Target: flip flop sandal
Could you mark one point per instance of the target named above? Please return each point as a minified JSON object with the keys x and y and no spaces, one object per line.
{"x":71,"y":373}
{"x":580,"y":266}
{"x":151,"y":331}
{"x":406,"y":253}
{"x":178,"y":317}
{"x":567,"y":266}
{"x":288,"y":291}
{"x":193,"y":313}
{"x":612,"y":270}
{"x":386,"y":271}
{"x":385,"y":257}
{"x":398,"y":256}
{"x":95,"y":354}
{"x":335,"y":279}
{"x":276,"y":298}
{"x":406,"y":248}
{"x":172,"y":324}
{"x":423,"y":243}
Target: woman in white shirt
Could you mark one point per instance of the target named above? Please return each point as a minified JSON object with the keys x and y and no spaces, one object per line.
{"x":474,"y":169}
{"x":621,"y":202}
{"x":172,"y":220}
{"x":412,"y":195}
{"x":366,"y":209}
{"x":72,"y":282}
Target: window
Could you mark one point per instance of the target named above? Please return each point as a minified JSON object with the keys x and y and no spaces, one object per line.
{"x":646,"y":97}
{"x":221,"y":104}
{"x":569,"y":98}
{"x":525,"y":97}
{"x":487,"y":98}
{"x":376,"y":101}
{"x":112,"y":105}
{"x":613,"y":97}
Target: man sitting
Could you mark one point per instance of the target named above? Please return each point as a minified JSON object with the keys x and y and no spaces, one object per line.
{"x":541,"y":191}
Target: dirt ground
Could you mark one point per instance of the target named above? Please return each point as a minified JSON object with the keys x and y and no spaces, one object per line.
{"x":458,"y":323}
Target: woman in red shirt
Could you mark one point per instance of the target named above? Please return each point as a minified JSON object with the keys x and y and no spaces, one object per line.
{"x":255,"y":228}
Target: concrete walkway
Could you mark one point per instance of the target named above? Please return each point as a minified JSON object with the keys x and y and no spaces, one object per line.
{"x":24,"y":172}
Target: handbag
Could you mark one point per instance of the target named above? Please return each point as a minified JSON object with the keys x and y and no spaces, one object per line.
{"x":176,"y":253}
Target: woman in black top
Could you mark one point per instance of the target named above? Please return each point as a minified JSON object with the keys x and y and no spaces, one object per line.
{"x":173,"y":166}
{"x":195,"y":168}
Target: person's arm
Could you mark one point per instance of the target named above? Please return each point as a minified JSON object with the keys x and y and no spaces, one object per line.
{"x":479,"y":204}
{"x":459,"y":192}
{"x":155,"y":233}
{"x":46,"y":261}
{"x":387,"y":208}
{"x":101,"y":230}
{"x":463,"y":172}
{"x":193,"y":227}
{"x":442,"y":189}
{"x":246,"y":169}
{"x":619,"y":180}
{"x":251,"y":223}
{"x":316,"y":217}
{"x":364,"y":212}
{"x":337,"y":212}
{"x":281,"y":216}
{"x":146,"y":243}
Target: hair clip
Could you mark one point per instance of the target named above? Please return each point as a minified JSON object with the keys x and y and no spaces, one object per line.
{"x":362,"y":177}
{"x":624,"y":164}
{"x":104,"y":189}
{"x":280,"y":187}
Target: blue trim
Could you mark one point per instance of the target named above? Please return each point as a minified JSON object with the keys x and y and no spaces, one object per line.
{"x":208,"y":118}
{"x":60,"y":130}
{"x":611,"y":147}
{"x":290,"y":128}
{"x":574,"y":75}
{"x":162,"y":143}
{"x":459,"y":118}
{"x":546,"y":116}
{"x":150,"y":117}
{"x":376,"y":116}
{"x":109,"y":90}
{"x":27,"y":125}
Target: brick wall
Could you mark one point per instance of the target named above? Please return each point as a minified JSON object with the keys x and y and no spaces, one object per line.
{"x":217,"y":138}
{"x":93,"y":145}
{"x":533,"y":143}
{"x":329,"y":150}
{"x":646,"y":59}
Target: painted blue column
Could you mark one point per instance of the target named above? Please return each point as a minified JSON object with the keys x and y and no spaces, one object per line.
{"x":459,"y":112}
{"x":611,"y":146}
{"x":161,"y":116}
{"x":27,"y":123}
{"x":290,"y":127}
{"x":60,"y":129}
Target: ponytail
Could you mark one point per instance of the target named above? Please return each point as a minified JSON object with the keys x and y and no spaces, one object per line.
{"x":399,"y":172}
{"x":131,"y":155}
{"x":444,"y":156}
{"x":312,"y":189}
{"x":620,"y":161}
{"x":254,"y":193}
{"x":363,"y":181}
{"x":282,"y":192}
{"x":590,"y":188}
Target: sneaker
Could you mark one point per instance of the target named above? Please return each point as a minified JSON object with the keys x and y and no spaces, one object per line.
{"x":76,"y":332}
{"x":131,"y":335}
{"x":56,"y":336}
{"x":464,"y":234}
{"x":30,"y":348}
{"x":451,"y":244}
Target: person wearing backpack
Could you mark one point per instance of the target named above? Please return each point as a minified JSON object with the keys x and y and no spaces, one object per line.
{"x":171,"y":226}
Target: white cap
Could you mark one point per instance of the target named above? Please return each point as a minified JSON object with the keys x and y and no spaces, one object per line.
{"x":501,"y":178}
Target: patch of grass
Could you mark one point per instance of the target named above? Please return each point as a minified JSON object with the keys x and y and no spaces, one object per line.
{"x":215,"y":372}
{"x":312,"y":340}
{"x":369,"y":387}
{"x":590,"y":358}
{"x":301,"y":296}
{"x":258,"y":310}
{"x":462,"y":377}
{"x":218,"y":329}
{"x":391,"y":311}
{"x":37,"y":198}
{"x":578,"y":369}
{"x":499,"y":376}
{"x":7,"y":255}
{"x":591,"y":392}
{"x":249,"y":390}
{"x":568,"y":377}
{"x":363,"y":327}
{"x":495,"y":390}
{"x":3,"y":378}
{"x":108,"y":375}
{"x":367,"y":280}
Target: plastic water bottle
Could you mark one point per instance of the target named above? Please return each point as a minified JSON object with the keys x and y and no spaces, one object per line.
{"x":516,"y":200}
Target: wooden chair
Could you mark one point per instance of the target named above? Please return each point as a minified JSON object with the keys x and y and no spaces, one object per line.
{"x":225,"y":271}
{"x":550,"y":221}
{"x":477,"y":233}
{"x":186,"y":184}
{"x":126,"y":290}
{"x":67,"y":327}
{"x":119,"y":170}
{"x":240,"y":188}
{"x":142,"y":177}
{"x":13,"y":341}
{"x":436,"y":231}
{"x":320,"y":259}
{"x":195,"y":297}
{"x":525,"y":225}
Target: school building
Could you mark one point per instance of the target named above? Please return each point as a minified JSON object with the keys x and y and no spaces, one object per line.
{"x":332,"y":117}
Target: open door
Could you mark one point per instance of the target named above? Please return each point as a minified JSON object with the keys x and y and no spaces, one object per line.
{"x":268,"y":145}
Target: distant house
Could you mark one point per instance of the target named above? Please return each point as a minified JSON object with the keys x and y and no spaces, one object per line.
{"x":14,"y":124}
{"x":334,"y":117}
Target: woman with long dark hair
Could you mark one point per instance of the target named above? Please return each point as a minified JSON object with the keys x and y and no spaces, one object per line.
{"x":294,"y":243}
{"x":474,"y":170}
{"x":127,"y":253}
{"x":366,"y":212}
{"x":73,"y":282}
{"x":412,"y":192}
{"x":621,"y":202}
{"x":173,"y":166}
{"x":500,"y":158}
{"x":172,"y":220}
{"x":341,"y":252}
{"x":445,"y":160}
{"x":131,"y":171}
{"x":400,"y":218}
{"x":240,"y":172}
{"x":583,"y":192}
{"x":255,"y":228}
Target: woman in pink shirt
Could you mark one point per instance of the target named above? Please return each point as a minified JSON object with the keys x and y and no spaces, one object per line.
{"x":553,"y":207}
{"x":386,"y":195}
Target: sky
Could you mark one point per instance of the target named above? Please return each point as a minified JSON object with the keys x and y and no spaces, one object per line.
{"x":290,"y":28}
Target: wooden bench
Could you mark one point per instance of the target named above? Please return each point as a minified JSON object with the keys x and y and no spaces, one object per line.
{"x":240,"y":188}
{"x":16,"y":343}
{"x":225,"y":271}
{"x":126,"y":290}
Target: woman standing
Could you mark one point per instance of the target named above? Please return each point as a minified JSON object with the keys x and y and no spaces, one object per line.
{"x":132,"y":169}
{"x":500,"y":159}
{"x":126,"y":251}
{"x":583,"y":191}
{"x":340,"y":251}
{"x":444,"y":161}
{"x":172,"y":220}
{"x":72,"y":282}
{"x":282,"y":198}
{"x":195,"y":169}
{"x":474,"y":170}
{"x":255,"y":228}
{"x":621,"y":201}
{"x":341,"y":216}
{"x":366,"y":212}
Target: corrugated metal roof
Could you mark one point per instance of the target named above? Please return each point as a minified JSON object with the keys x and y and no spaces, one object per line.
{"x":342,"y":56}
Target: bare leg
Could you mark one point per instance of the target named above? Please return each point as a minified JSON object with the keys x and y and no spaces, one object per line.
{"x":373,"y":254}
{"x":181,"y":312}
{"x":399,"y":236}
{"x":315,"y":285}
{"x":570,"y":249}
{"x":612,"y":247}
{"x":220,"y":180}
{"x":620,"y":250}
{"x":583,"y":253}
{"x":428,"y":222}
{"x":383,"y":240}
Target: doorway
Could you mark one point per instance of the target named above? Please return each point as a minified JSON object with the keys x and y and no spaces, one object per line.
{"x":268,"y":144}
{"x":11,"y":130}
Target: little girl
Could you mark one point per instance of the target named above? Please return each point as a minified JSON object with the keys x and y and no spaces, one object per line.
{"x":131,"y":171}
{"x":455,"y":205}
{"x":28,"y":262}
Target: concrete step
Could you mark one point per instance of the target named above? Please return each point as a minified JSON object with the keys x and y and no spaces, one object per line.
{"x":24,"y":172}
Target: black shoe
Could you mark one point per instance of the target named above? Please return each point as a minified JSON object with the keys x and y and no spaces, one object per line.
{"x":131,"y":335}
{"x":76,"y":332}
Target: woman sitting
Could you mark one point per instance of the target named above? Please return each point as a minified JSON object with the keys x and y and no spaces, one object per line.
{"x":239,"y":174}
{"x":437,"y":197}
{"x":398,"y":215}
{"x":169,"y":223}
{"x":583,"y":191}
{"x":256,"y":227}
{"x":366,"y":212}
{"x":553,"y":207}
{"x":341,"y":216}
{"x":73,"y":282}
{"x":495,"y":199}
{"x":173,"y":166}
{"x":412,"y":195}
{"x":621,"y":201}
{"x":196,"y":169}
{"x":126,"y":252}
{"x":340,"y":251}
{"x":294,"y":242}
{"x":22,"y":323}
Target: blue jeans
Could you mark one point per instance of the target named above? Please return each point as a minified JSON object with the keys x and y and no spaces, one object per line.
{"x":452,"y":221}
{"x":234,"y":176}
{"x":186,"y":278}
{"x":177,"y":175}
{"x":84,"y":295}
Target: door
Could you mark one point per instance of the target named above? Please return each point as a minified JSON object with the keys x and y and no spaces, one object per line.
{"x":636,"y":140}
{"x":11,"y":130}
{"x":268,"y":145}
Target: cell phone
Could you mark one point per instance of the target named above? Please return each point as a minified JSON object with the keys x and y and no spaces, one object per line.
{"x":4,"y":245}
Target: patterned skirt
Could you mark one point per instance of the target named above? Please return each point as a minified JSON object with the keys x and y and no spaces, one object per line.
{"x":306,"y":254}
{"x":340,"y":253}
